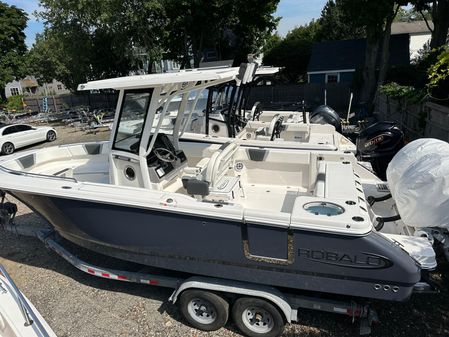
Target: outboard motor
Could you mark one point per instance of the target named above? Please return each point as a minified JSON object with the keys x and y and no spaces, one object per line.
{"x":324,"y":114}
{"x":378,"y":144}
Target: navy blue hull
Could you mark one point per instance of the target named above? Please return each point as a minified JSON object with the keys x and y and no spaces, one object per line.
{"x":295,"y":259}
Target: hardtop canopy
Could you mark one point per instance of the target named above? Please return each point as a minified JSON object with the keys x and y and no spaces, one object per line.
{"x":155,"y":80}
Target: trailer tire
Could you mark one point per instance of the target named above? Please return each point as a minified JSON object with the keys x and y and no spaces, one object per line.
{"x":257,"y":318}
{"x":204,"y":310}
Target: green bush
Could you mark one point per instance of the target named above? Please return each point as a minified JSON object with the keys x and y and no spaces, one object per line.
{"x":15,"y":103}
{"x":439,"y":76}
{"x":396,"y":91}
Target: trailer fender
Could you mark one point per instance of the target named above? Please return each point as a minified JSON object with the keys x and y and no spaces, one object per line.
{"x":235,"y":287}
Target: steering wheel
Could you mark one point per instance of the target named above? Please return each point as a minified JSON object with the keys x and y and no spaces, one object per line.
{"x":277,"y":128}
{"x":165,"y":155}
{"x":256,"y":111}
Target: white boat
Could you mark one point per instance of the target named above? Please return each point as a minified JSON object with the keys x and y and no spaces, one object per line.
{"x":290,"y":218}
{"x":18,"y":316}
{"x":217,"y":114}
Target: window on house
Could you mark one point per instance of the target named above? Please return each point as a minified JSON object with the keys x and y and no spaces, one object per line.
{"x":332,"y":78}
{"x":59,"y":87}
{"x":14,"y":91}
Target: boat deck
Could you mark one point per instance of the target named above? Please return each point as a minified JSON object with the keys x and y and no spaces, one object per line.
{"x":267,"y":186}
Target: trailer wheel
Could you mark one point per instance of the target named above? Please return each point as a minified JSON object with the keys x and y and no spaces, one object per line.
{"x":204,"y":310}
{"x":257,"y":318}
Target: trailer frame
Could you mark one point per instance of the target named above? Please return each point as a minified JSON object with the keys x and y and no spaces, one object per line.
{"x":287,"y":304}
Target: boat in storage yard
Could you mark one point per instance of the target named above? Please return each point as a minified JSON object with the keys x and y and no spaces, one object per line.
{"x":283,"y":217}
{"x":217,"y":114}
{"x":18,"y":316}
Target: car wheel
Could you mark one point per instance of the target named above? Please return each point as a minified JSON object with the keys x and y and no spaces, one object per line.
{"x":204,"y":310}
{"x":8,"y":148}
{"x":51,"y":136}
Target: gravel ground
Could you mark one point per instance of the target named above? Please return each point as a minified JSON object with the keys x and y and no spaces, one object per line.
{"x":78,"y":304}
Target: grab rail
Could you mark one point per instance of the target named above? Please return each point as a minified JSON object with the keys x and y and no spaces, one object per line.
{"x":28,"y":314}
{"x":29,"y":174}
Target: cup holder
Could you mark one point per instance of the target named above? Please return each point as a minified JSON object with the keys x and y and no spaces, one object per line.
{"x":323,"y":208}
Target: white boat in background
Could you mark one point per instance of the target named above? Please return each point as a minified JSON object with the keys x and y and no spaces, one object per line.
{"x":18,"y":316}
{"x":216,"y":114}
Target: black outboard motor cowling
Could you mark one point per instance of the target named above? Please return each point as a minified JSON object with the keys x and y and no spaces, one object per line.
{"x":324,"y":114}
{"x":378,"y":144}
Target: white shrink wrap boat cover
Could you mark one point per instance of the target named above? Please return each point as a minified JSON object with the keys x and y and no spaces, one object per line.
{"x":418,"y":178}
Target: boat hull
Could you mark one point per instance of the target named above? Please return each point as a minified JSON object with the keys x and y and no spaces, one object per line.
{"x":364,"y":266}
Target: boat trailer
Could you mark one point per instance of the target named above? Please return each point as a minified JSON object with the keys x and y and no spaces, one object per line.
{"x":286,"y":304}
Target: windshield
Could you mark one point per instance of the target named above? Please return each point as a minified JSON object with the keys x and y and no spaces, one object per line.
{"x":221,"y":98}
{"x":196,"y":100}
{"x":132,"y":120}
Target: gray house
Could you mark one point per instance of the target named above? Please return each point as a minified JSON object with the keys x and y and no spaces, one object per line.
{"x":29,"y":87}
{"x":337,"y":61}
{"x":419,"y":33}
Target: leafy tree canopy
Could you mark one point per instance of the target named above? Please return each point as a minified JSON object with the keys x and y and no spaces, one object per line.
{"x":232,"y":28}
{"x":46,"y":60}
{"x":294,"y":51}
{"x":439,"y":75}
{"x":96,"y":39}
{"x":336,"y":25}
{"x":12,"y":44}
{"x":408,"y":15}
{"x":439,"y":14}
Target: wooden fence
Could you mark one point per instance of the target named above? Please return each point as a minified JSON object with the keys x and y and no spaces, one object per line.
{"x":312,"y":93}
{"x":427,"y":119}
{"x":61,"y":102}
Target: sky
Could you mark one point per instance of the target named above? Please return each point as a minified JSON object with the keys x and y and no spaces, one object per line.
{"x":297,"y":12}
{"x":293,"y":12}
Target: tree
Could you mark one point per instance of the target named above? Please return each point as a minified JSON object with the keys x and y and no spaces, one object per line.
{"x":92,"y":39}
{"x":409,"y":15}
{"x":251,"y":27}
{"x":12,"y":45}
{"x":376,"y":19}
{"x":294,"y":51}
{"x":334,"y":24}
{"x":271,"y":42}
{"x":230,"y":27}
{"x":45,"y":59}
{"x":440,"y":16}
{"x":439,"y":75}
{"x":193,"y":26}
